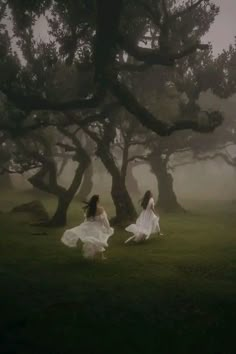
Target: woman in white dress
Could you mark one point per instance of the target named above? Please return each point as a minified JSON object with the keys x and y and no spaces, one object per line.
{"x":94,"y":232}
{"x":147,"y":222}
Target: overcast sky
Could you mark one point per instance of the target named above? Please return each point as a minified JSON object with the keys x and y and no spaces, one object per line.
{"x":221,"y":34}
{"x":223,"y":31}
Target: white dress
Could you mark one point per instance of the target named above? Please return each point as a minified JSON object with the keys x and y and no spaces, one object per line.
{"x":94,"y":233}
{"x":146,"y":224}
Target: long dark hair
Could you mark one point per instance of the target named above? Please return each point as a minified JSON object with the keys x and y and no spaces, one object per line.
{"x":91,"y":206}
{"x":144,"y":201}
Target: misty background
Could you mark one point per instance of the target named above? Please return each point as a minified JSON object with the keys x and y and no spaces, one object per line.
{"x":213,"y":180}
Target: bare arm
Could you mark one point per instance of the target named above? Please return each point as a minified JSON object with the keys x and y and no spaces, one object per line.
{"x":153,"y":207}
{"x":105,"y":220}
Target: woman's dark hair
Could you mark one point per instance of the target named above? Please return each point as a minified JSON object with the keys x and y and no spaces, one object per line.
{"x":144,"y":201}
{"x":91,"y":206}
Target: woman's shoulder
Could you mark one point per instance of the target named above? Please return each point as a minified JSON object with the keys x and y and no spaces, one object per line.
{"x":100,"y":210}
{"x":151,"y":201}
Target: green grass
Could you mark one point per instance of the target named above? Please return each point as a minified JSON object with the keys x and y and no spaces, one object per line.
{"x":171,"y":295}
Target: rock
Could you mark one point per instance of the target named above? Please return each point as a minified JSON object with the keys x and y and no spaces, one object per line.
{"x":35,"y":209}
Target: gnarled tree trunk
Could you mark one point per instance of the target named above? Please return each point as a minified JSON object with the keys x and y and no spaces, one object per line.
{"x":125,"y":210}
{"x":50,"y":185}
{"x":65,"y":198}
{"x":167,"y":200}
{"x":60,"y":216}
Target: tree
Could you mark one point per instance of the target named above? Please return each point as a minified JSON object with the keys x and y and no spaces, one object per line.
{"x":180,"y":89}
{"x":82,"y":70}
{"x":46,"y":178}
{"x":104,"y":136}
{"x":38,"y":153}
{"x":158,"y":159}
{"x":115,"y":32}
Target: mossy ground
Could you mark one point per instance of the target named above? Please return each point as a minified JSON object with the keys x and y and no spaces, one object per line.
{"x":172,"y":295}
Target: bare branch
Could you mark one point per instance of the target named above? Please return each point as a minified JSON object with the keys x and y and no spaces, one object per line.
{"x":148,"y":120}
{"x":94,"y":136}
{"x":33,"y":102}
{"x":158,"y":56}
{"x":146,"y":55}
{"x":228,"y":159}
{"x":189,"y":50}
{"x":71,"y":118}
{"x":67,"y":147}
{"x":138,"y":158}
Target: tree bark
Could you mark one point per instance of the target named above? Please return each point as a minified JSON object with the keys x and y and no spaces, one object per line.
{"x":167,"y":200}
{"x":65,"y":196}
{"x":59,"y":218}
{"x":125,"y":210}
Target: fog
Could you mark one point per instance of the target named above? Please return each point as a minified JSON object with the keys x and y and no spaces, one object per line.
{"x":211,"y":179}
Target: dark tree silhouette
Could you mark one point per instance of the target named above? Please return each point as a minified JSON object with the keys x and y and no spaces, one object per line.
{"x":92,"y":36}
{"x":104,"y":137}
{"x":37,"y":151}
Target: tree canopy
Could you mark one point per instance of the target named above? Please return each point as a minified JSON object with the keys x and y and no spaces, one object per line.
{"x":94,"y":37}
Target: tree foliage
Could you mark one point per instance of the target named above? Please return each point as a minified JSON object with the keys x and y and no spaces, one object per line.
{"x":94,"y":35}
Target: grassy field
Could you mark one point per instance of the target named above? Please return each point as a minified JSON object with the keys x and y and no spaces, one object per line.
{"x":172,"y":295}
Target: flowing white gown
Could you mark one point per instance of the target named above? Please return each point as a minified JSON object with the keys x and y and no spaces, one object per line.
{"x":94,"y":233}
{"x":146,"y":224}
